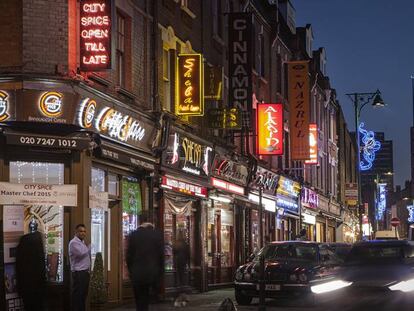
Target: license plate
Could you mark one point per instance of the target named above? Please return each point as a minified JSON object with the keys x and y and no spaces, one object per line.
{"x":269,"y":287}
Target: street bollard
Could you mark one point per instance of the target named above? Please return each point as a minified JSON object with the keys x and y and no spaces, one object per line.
{"x":262,"y":293}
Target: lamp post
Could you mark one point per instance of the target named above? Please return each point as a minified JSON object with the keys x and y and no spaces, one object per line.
{"x":360,"y":100}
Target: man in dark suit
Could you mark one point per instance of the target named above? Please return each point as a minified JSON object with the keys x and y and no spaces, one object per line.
{"x":145,"y":261}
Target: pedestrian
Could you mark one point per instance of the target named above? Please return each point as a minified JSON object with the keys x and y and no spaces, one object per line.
{"x":80,"y":266}
{"x":181,"y":251}
{"x":31,"y":269}
{"x":302,"y":235}
{"x":145,"y":262}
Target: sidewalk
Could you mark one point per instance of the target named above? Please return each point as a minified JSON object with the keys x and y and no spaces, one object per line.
{"x":197,"y":302}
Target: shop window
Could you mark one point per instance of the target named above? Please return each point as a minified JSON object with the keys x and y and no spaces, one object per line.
{"x":120,"y":49}
{"x":113,"y":185}
{"x":131,"y":208}
{"x":176,"y":223}
{"x":97,"y":216}
{"x":49,"y":219}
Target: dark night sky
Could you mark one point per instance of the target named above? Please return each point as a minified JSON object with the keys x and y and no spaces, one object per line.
{"x":369,"y":45}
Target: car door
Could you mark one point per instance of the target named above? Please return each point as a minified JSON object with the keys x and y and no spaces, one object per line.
{"x":329,"y":262}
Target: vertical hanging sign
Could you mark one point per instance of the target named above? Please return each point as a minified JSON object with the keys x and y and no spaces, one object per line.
{"x":240,"y":63}
{"x":313,"y":144}
{"x":95,"y":35}
{"x":299,"y":96}
{"x":189,"y":85}
{"x":270,"y":129}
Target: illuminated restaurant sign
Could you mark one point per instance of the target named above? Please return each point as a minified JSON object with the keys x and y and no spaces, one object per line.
{"x":224,"y":185}
{"x":183,"y":187}
{"x":232,"y":171}
{"x":224,"y":118}
{"x":95,"y":35}
{"x":299,"y":112}
{"x":188,"y":155}
{"x":4,"y":106}
{"x":240,"y":63}
{"x":189,"y":85}
{"x":115,"y":124}
{"x":265,"y":179}
{"x":310,"y":198}
{"x":50,"y":104}
{"x":270,"y":129}
{"x":288,"y":187}
{"x":313,"y":144}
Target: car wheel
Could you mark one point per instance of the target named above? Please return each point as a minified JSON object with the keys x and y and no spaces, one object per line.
{"x":242,"y":299}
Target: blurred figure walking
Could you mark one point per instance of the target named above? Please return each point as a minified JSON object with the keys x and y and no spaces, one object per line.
{"x":181,"y":251}
{"x":145,"y":261}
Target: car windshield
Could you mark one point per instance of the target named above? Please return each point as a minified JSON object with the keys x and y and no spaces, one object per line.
{"x":286,"y":251}
{"x":375,"y":254}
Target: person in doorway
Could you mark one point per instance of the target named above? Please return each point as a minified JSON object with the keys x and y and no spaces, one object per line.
{"x":181,"y":253}
{"x":303,"y":236}
{"x":31,"y":269}
{"x":80,"y":265}
{"x":145,"y":262}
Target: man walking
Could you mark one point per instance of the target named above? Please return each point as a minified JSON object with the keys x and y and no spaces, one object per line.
{"x":80,"y":265}
{"x":145,"y":261}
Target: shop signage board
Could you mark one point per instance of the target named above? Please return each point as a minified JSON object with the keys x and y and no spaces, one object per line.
{"x":213,"y":82}
{"x":351,"y":194}
{"x":38,"y":194}
{"x":188,"y":154}
{"x":5,"y":104}
{"x":270,"y":129}
{"x":230,"y":170}
{"x":58,"y":142}
{"x":224,"y":118}
{"x":98,"y":199}
{"x":309,"y":219}
{"x":299,"y":95}
{"x":265,"y":179}
{"x":114,"y":123}
{"x":313,"y":144}
{"x":268,"y":204}
{"x":310,"y":198}
{"x":183,"y":187}
{"x":288,"y":194}
{"x":189,"y":85}
{"x":95,"y":35}
{"x":224,"y":185}
{"x":240,"y":63}
{"x":117,"y":155}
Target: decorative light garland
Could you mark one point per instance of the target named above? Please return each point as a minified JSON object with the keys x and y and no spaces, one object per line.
{"x":369,"y":148}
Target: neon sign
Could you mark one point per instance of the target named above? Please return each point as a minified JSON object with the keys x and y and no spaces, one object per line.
{"x":4,"y":106}
{"x":270,"y":129}
{"x":369,"y":147}
{"x":381,"y":201}
{"x":95,"y":35}
{"x":410,"y":209}
{"x":50,"y":104}
{"x":184,"y":187}
{"x":189,"y":84}
{"x":313,"y":144}
{"x":109,"y":121}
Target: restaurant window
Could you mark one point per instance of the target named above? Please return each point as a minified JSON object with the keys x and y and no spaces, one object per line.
{"x":49,"y":218}
{"x":120,"y":49}
{"x":97,"y":216}
{"x":131,"y":209}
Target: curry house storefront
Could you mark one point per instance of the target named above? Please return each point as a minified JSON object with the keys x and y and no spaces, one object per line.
{"x":85,"y":146}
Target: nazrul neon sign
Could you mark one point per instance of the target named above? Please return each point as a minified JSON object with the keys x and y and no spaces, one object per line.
{"x":369,"y":147}
{"x":381,"y":202}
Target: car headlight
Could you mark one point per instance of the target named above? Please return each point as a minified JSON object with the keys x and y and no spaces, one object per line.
{"x":303,"y":278}
{"x":329,"y":286}
{"x":293,"y":277}
{"x":239,"y":276}
{"x":404,"y":286}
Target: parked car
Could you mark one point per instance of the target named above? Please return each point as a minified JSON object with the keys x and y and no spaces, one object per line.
{"x":378,"y":271}
{"x":290,"y":268}
{"x":340,"y":249}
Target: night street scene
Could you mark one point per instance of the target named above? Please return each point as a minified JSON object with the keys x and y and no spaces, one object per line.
{"x":214,"y":155}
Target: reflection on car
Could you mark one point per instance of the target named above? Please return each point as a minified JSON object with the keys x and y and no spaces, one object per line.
{"x":290,"y":269}
{"x":376,"y":267}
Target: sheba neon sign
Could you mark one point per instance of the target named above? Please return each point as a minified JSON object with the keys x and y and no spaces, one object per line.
{"x":95,"y":35}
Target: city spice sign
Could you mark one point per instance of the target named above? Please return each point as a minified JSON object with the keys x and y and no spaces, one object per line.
{"x":190,"y":97}
{"x":95,"y":35}
{"x":270,"y":129}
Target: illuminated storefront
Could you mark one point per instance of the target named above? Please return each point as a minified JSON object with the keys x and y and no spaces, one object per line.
{"x":309,"y":205}
{"x":59,"y":134}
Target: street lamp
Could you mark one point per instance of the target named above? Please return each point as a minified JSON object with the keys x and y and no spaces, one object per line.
{"x":360,"y":100}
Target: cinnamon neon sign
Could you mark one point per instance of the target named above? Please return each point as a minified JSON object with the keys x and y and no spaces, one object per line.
{"x":95,"y":35}
{"x":270,"y":129}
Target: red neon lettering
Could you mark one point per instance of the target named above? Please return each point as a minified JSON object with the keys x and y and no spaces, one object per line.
{"x":95,"y":59}
{"x":95,"y":47}
{"x":94,"y":7}
{"x":94,"y":33}
{"x":95,"y":20}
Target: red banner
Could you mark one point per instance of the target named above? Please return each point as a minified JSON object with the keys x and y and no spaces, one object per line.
{"x":269,"y":129}
{"x":313,"y":144}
